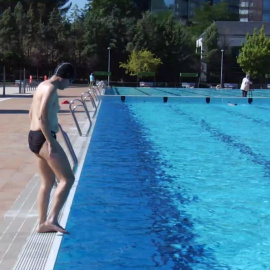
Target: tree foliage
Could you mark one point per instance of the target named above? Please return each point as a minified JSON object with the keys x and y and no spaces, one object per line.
{"x":254,"y":57}
{"x":38,"y":34}
{"x":207,"y":13}
{"x":105,"y":28}
{"x":103,"y":8}
{"x":41,"y":7}
{"x":141,"y":61}
{"x":211,"y":50}
{"x":211,"y":37}
{"x":167,"y":39}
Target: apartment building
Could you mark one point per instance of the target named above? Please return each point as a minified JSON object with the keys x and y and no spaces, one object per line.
{"x":184,"y":9}
{"x":248,"y":10}
{"x":254,"y":10}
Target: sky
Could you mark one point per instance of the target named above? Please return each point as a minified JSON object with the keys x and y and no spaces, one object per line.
{"x":169,"y":2}
{"x":80,"y":3}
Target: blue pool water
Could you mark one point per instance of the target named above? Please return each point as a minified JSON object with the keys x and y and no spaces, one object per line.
{"x":173,"y":186}
{"x":181,"y":92}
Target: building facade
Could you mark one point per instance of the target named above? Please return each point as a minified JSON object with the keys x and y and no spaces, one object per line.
{"x":233,"y":5}
{"x":254,"y":10}
{"x":162,"y":5}
{"x":185,"y":9}
{"x":251,"y":10}
{"x":248,"y":10}
{"x":266,"y":11}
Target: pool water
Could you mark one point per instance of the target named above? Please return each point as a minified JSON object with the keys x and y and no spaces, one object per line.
{"x":173,"y":186}
{"x":190,"y":92}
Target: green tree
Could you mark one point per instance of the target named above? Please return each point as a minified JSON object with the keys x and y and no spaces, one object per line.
{"x":108,"y":27}
{"x":21,"y":23}
{"x":55,"y":36}
{"x":76,"y":30}
{"x":141,"y":61}
{"x":211,"y":37}
{"x":158,"y":4}
{"x":103,"y":8}
{"x":96,"y":38}
{"x":9,"y":43}
{"x":254,"y":57}
{"x":31,"y":31}
{"x":211,"y":50}
{"x":41,"y":7}
{"x":168,"y":40}
{"x":207,"y":13}
{"x":40,"y":54}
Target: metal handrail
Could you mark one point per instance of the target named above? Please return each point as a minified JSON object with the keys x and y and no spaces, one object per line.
{"x":96,"y":92}
{"x":72,"y":110}
{"x":99,"y":91}
{"x":70,"y":148}
{"x":92,"y":90}
{"x":84,"y":97}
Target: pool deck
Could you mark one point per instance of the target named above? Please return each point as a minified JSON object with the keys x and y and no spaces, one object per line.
{"x":19,"y":180}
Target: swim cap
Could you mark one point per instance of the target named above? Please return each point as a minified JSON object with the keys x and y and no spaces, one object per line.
{"x":65,"y":71}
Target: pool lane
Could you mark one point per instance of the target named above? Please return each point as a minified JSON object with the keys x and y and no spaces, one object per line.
{"x":193,"y":92}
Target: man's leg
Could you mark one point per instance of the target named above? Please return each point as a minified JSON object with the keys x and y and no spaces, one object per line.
{"x":47,"y":178}
{"x":60,"y":166}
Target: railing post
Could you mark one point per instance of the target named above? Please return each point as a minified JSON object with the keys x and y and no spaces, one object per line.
{"x":70,"y":148}
{"x":72,"y":110}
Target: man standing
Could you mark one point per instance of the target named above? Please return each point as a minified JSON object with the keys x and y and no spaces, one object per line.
{"x":92,"y":79}
{"x":52,"y":160}
{"x":245,"y":86}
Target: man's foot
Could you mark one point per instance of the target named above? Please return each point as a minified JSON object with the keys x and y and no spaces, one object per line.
{"x":48,"y":227}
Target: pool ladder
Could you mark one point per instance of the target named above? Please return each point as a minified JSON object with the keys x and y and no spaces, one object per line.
{"x":73,"y":105}
{"x":70,"y":148}
{"x":93,"y":95}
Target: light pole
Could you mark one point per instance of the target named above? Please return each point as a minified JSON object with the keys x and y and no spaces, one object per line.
{"x":109,"y":64}
{"x":221,"y":69}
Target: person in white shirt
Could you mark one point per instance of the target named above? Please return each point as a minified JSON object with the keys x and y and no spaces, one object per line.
{"x":245,"y":86}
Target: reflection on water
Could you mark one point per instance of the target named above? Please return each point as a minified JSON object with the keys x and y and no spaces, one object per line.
{"x":172,"y":186}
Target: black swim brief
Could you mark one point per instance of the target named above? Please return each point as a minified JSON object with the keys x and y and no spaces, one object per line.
{"x":36,"y":139}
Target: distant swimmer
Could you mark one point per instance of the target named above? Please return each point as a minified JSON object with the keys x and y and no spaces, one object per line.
{"x":52,"y":160}
{"x":232,"y":104}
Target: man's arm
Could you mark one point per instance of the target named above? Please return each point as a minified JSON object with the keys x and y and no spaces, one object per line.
{"x":44,"y":114}
{"x":30,"y":112}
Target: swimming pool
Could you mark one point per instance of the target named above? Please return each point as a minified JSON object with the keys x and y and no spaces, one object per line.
{"x":176,"y":185}
{"x":182,"y":92}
